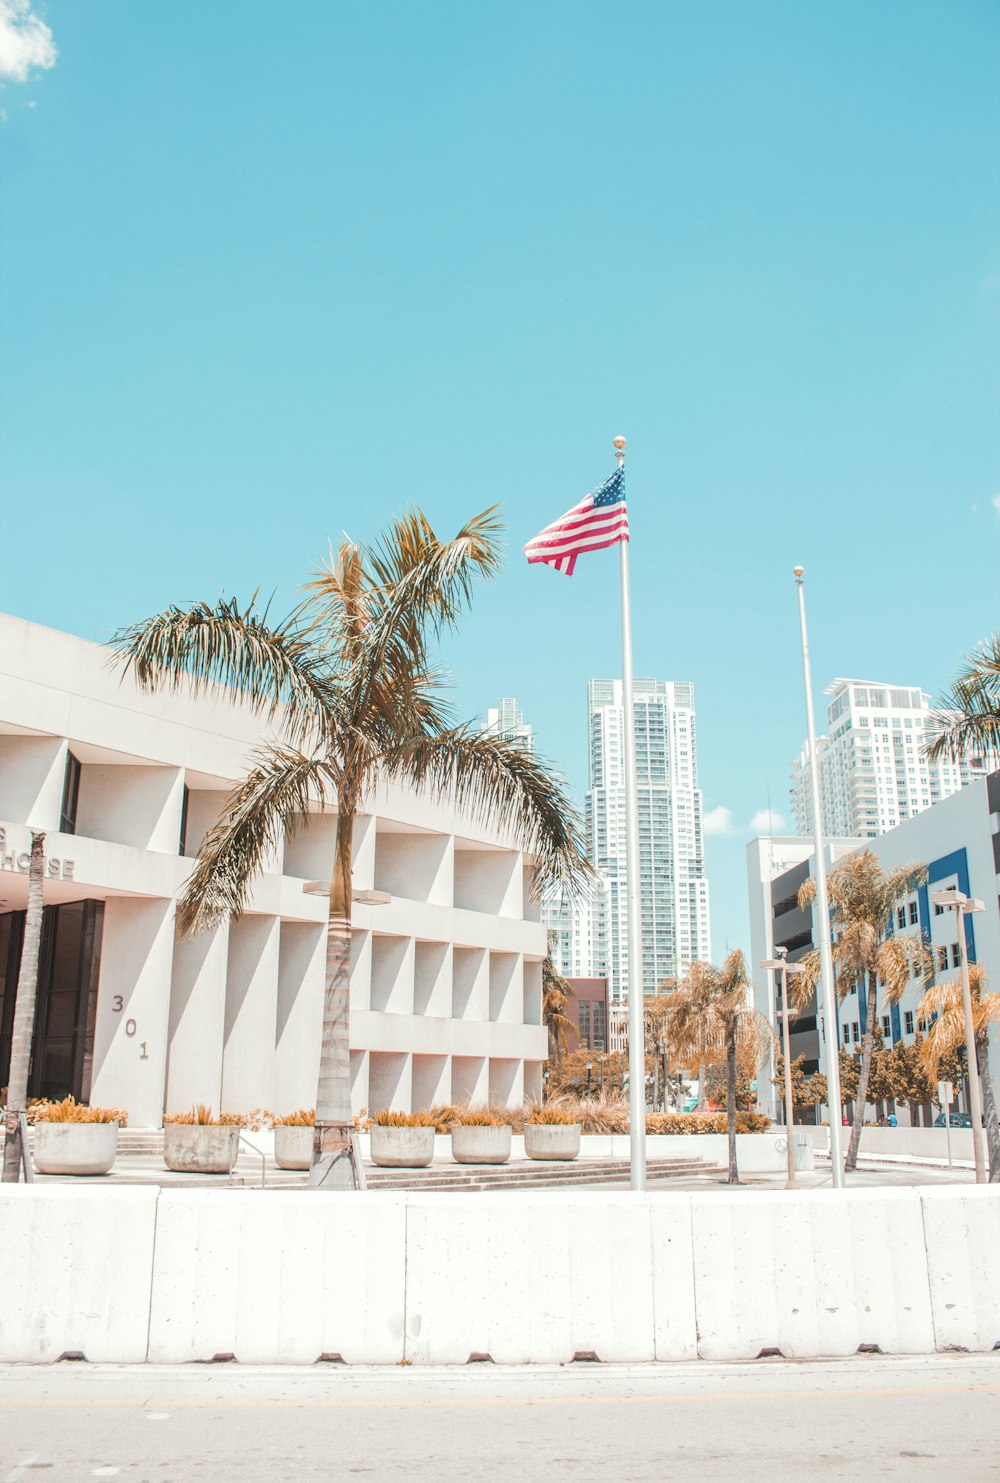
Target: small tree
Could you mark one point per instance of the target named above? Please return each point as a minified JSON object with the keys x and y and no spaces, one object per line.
{"x":947,"y":1033}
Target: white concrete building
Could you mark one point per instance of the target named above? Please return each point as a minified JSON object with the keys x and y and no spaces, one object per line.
{"x":872,"y":771}
{"x":959,"y":842}
{"x":506,"y":720}
{"x":674,"y":890}
{"x":446,"y":978}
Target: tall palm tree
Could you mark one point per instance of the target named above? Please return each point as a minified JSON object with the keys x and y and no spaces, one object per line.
{"x":711,"y":1019}
{"x":863,"y":898}
{"x":24,"y":1011}
{"x":946,"y":1036}
{"x":350,"y":679}
{"x":967,"y":718}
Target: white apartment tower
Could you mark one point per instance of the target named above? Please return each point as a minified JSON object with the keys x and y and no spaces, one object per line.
{"x":872,"y":771}
{"x":506,"y":720}
{"x":674,"y":891}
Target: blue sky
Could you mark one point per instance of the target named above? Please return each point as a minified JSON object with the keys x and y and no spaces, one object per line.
{"x":272,"y":272}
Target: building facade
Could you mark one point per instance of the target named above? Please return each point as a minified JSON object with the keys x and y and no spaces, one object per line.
{"x":673,"y":886}
{"x":447,"y":942}
{"x":506,"y":720}
{"x":959,"y":842}
{"x":872,"y":771}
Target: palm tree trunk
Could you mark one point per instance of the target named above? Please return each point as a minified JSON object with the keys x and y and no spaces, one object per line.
{"x":861,"y":1101}
{"x":734,"y":1173}
{"x":24,"y":1011}
{"x":331,"y":1166}
{"x":990,"y":1121}
{"x":702,"y":1099}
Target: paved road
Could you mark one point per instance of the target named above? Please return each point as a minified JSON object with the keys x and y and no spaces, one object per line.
{"x":933,"y":1418}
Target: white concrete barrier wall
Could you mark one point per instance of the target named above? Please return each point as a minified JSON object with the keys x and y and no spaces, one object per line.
{"x":289,"y":1276}
{"x":76,"y":1271}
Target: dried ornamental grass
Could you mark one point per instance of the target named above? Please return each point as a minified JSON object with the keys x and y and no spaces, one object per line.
{"x":480,"y":1117}
{"x":389,"y":1119}
{"x":201,"y":1117}
{"x":552,"y":1116}
{"x":304,"y":1118}
{"x":71,"y":1111}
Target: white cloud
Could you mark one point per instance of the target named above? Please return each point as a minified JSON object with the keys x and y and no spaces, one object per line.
{"x":25,"y":40}
{"x":767,"y":821}
{"x":995,"y":502}
{"x":719,"y":821}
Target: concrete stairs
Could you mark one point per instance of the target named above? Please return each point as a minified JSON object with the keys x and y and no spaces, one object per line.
{"x":527,"y":1174}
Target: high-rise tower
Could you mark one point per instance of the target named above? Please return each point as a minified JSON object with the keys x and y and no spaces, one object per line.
{"x":674,"y":891}
{"x":872,"y":770}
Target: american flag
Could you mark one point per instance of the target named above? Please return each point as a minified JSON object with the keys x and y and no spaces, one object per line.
{"x":600,"y":519}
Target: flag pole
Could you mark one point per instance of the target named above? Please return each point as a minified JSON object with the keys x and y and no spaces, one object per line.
{"x":636,"y":1039}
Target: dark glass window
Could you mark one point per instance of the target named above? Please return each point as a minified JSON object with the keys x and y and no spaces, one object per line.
{"x":71,"y":795}
{"x":185,"y":799}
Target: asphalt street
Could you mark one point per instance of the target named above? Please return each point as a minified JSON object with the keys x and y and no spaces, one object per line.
{"x":871,"y":1418}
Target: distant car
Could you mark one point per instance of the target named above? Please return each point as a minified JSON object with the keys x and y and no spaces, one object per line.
{"x":957,"y":1119}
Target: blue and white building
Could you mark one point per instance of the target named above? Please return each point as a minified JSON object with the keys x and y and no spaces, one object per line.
{"x":959,"y":842}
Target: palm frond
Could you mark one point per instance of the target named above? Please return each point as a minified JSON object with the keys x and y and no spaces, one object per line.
{"x":898,"y":960}
{"x":499,"y":782}
{"x":271,"y":667}
{"x":271,"y":800}
{"x":967,"y":717}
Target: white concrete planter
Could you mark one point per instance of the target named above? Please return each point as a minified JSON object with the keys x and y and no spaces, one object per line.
{"x":200,"y":1148}
{"x":480,"y":1145}
{"x":552,"y":1140}
{"x":293,"y":1146}
{"x":75,"y":1148}
{"x":402,"y":1148}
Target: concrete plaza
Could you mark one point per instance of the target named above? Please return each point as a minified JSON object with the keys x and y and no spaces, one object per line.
{"x":907,"y":1418}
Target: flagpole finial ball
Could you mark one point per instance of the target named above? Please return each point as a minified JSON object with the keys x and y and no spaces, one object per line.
{"x":799,"y":572}
{"x":619,"y":442}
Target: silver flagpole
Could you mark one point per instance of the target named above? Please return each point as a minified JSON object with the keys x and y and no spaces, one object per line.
{"x":821,"y":914}
{"x":636,"y":1041}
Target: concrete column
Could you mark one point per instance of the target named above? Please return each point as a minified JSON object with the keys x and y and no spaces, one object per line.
{"x":507,"y":1082}
{"x":470,"y":1079}
{"x":32,"y":772}
{"x":359,"y":1080}
{"x":506,"y":989}
{"x":197,"y":1020}
{"x":299,"y":1030}
{"x":133,"y":1008}
{"x":431,"y":1081}
{"x":392,"y":974}
{"x":389,"y":1080}
{"x":432,"y":982}
{"x":251,"y":1008}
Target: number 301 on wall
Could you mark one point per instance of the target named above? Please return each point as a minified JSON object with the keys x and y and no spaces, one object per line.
{"x":117,"y":1005}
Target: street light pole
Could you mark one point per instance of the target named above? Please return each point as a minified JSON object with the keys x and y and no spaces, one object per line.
{"x":781,"y":965}
{"x":963,"y":906}
{"x":821,"y":913}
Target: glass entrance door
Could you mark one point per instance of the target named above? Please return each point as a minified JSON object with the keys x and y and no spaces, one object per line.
{"x":62,"y":1048}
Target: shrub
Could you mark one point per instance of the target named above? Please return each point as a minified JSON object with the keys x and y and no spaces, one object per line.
{"x":389,"y":1119}
{"x":705,"y":1122}
{"x":201,"y":1116}
{"x":304,"y":1118}
{"x":71,"y":1111}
